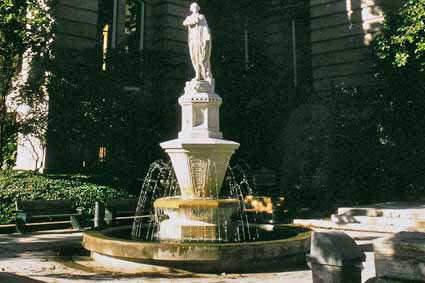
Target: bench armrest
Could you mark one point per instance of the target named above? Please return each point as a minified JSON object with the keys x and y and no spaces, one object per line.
{"x":80,"y":210}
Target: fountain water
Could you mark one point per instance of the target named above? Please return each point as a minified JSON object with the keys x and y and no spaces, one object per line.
{"x":161,"y":215}
{"x":192,"y":223}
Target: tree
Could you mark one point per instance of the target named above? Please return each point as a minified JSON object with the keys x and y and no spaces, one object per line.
{"x":26,"y":28}
{"x":402,"y":43}
{"x":401,"y":52}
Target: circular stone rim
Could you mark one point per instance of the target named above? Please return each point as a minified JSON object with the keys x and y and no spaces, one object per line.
{"x":99,"y":242}
{"x":176,"y":203}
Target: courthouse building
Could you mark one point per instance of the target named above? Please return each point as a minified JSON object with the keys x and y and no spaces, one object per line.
{"x":317,"y":44}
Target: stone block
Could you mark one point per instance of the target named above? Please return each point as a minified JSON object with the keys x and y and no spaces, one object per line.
{"x":410,"y":210}
{"x":346,"y":69}
{"x":384,"y":280}
{"x":82,"y":4}
{"x":340,"y":44}
{"x":74,"y":13}
{"x":407,"y":224}
{"x":401,"y":256}
{"x":333,"y":274}
{"x":340,"y":31}
{"x":335,"y":258}
{"x":341,"y":57}
{"x":335,"y":248}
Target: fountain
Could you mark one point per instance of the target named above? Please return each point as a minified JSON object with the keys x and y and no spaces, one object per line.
{"x":193,"y":225}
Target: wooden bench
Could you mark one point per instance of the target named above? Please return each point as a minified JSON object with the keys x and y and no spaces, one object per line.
{"x":29,"y":210}
{"x":120,"y":208}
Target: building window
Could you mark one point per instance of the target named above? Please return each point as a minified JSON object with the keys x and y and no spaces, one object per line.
{"x":294,"y":52}
{"x":105,"y":45}
{"x":246,"y":45}
{"x":299,"y":31}
{"x":134,"y":25}
{"x":102,"y":154}
{"x":114,"y":24}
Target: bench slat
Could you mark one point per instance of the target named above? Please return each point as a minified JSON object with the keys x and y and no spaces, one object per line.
{"x":123,"y":204}
{"x":29,"y":215}
{"x":38,"y":206}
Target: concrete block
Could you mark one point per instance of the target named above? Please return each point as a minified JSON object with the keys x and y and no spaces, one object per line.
{"x":334,"y":248}
{"x":411,"y":210}
{"x":401,"y":256}
{"x":404,"y":223}
{"x":349,"y":227}
{"x":384,"y":280}
{"x":335,"y":258}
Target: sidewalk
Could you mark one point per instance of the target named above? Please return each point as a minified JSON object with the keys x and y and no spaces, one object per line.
{"x":44,"y":257}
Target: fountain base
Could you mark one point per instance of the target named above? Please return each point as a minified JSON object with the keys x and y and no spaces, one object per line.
{"x":285,"y":246}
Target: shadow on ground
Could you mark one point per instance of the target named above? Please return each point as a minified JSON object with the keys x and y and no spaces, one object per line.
{"x":12,"y":278}
{"x":16,"y":245}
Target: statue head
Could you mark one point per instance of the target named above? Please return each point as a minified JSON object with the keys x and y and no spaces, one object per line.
{"x":194,"y":7}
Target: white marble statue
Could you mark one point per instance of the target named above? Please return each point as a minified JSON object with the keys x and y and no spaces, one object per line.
{"x":199,"y":43}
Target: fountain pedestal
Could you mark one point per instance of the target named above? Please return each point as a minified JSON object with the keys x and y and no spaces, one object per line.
{"x":200,"y":157}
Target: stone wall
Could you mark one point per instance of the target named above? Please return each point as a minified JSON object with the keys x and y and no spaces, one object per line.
{"x":341,"y":35}
{"x":287,"y":39}
{"x":76,"y":23}
{"x":169,"y":34}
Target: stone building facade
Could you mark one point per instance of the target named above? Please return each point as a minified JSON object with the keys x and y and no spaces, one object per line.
{"x":76,"y":23}
{"x":319,"y":44}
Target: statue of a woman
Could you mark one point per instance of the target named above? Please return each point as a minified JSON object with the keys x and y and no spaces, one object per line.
{"x":199,"y":43}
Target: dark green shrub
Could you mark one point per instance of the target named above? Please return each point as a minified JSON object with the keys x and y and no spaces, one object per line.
{"x":30,"y":186}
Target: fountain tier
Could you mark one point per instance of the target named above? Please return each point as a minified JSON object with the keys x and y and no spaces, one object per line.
{"x":283,"y":247}
{"x":200,"y":165}
{"x":200,"y":156}
{"x":196,"y":219}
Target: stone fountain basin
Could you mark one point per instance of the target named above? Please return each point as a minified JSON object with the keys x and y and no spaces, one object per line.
{"x":255,"y":256}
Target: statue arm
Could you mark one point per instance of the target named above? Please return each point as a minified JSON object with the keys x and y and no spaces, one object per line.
{"x":190,"y":21}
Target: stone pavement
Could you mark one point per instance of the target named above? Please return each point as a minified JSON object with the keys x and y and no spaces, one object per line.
{"x":44,"y":257}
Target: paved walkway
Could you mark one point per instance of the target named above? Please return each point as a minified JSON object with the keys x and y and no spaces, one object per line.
{"x":40,"y":257}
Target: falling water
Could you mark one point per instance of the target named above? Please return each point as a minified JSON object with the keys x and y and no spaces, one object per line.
{"x":160,"y":181}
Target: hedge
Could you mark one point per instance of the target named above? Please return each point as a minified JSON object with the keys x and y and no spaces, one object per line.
{"x":82,"y":190}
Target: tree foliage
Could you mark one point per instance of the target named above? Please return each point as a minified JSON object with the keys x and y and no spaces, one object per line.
{"x":26,"y":32}
{"x":401,"y":51}
{"x":402,"y":43}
